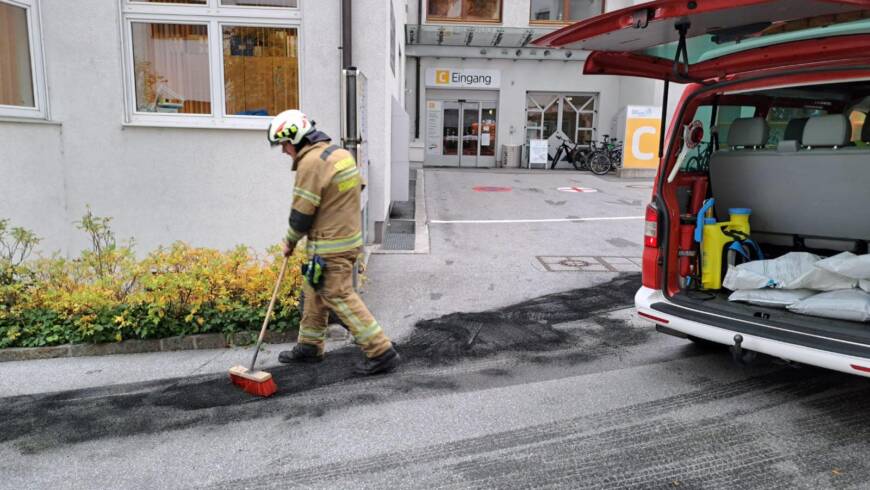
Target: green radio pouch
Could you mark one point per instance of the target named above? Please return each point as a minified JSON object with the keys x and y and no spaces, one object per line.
{"x":313,"y":271}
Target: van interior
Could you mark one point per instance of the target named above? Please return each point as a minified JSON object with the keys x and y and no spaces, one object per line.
{"x":799,"y":158}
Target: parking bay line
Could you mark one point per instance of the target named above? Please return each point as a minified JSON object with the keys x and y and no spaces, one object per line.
{"x":511,"y":221}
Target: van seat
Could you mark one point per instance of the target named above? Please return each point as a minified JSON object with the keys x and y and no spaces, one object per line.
{"x":794,"y":130}
{"x":833,"y":130}
{"x":748,"y":132}
{"x":817,"y":192}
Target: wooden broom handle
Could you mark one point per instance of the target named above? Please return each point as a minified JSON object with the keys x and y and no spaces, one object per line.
{"x":269,"y":310}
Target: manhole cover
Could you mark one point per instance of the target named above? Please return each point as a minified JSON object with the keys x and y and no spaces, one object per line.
{"x":574,"y":263}
{"x":487,"y":188}
{"x":590,"y":263}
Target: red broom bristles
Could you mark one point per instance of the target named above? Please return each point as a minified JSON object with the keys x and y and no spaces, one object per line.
{"x":262,"y":388}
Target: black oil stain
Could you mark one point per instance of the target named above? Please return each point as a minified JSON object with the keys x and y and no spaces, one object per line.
{"x":533,"y":190}
{"x":448,"y":262}
{"x":526,"y":330}
{"x":623,"y":243}
{"x":627,"y":202}
{"x":435,"y":296}
{"x":555,"y":203}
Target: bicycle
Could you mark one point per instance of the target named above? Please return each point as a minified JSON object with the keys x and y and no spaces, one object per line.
{"x":605,"y":156}
{"x":565,"y":148}
{"x":699,"y":162}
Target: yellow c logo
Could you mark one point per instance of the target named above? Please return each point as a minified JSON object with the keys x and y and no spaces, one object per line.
{"x":442,"y":77}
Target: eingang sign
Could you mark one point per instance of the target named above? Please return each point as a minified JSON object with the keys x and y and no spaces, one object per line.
{"x":466,"y":78}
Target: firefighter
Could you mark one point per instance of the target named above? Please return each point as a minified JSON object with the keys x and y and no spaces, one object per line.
{"x":326,"y":209}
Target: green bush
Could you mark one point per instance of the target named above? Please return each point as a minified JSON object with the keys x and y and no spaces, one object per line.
{"x":107,"y":295}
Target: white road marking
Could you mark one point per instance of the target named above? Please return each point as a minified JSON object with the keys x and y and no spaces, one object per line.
{"x":508,"y":221}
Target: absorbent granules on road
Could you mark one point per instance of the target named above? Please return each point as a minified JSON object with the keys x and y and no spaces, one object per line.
{"x":528,"y":332}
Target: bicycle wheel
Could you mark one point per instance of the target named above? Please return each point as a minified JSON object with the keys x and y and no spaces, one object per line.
{"x":581,"y":160}
{"x":599,"y":163}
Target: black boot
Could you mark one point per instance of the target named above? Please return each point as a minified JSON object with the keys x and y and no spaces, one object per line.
{"x":301,"y":353}
{"x":383,"y":363}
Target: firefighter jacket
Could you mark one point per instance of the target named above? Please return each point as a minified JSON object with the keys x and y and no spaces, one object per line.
{"x":326,"y":200}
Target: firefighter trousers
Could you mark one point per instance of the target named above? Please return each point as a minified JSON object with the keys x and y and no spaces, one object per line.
{"x":337,"y":294}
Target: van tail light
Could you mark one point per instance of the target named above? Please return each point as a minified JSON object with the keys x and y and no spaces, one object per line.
{"x":651,"y":227}
{"x":652,"y":265}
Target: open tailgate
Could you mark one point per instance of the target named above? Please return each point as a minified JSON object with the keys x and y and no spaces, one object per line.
{"x":695,"y":40}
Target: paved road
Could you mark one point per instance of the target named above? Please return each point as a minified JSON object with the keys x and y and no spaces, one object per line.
{"x":516,"y":376}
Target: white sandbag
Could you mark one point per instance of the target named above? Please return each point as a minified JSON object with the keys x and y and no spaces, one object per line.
{"x":772,"y":273}
{"x":794,"y":270}
{"x":864,"y":284}
{"x":847,"y":264}
{"x":775,"y":298}
{"x":821,"y":280}
{"x":846,"y":304}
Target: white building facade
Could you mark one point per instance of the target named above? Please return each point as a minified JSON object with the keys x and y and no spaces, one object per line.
{"x":154,"y":112}
{"x":476,"y":84}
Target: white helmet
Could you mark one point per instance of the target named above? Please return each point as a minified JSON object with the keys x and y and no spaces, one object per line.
{"x":290,"y":126}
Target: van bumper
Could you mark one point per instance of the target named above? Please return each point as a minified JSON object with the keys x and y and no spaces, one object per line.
{"x":650,"y":303}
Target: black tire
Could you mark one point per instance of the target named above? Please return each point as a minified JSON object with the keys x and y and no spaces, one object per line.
{"x":581,"y":161}
{"x":599,"y":163}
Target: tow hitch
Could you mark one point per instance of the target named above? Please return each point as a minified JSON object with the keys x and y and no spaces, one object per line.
{"x":739,"y":354}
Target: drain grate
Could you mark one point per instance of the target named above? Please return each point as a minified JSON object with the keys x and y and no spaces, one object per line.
{"x":398,"y":241}
{"x":562,"y":263}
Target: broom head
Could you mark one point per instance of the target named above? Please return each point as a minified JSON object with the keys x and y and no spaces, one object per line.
{"x":258,"y":383}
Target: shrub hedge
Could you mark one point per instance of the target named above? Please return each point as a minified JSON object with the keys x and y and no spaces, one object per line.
{"x":106,"y":294}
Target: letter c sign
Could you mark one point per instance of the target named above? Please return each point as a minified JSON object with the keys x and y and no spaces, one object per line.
{"x":635,"y":142}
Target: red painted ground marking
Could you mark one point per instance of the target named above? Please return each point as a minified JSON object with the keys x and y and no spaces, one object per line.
{"x":485,"y":188}
{"x":576,"y":189}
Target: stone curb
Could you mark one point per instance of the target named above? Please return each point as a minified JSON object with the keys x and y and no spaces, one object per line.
{"x":186,"y":342}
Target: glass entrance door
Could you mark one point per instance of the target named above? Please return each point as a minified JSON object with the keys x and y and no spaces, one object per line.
{"x":467,"y":134}
{"x":470,"y":134}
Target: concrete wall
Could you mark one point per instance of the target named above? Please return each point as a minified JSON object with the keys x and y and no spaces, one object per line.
{"x":209,"y":187}
{"x":371,"y":55}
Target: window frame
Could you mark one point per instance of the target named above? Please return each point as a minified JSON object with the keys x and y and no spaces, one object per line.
{"x":434,"y":19}
{"x":37,"y":65}
{"x":560,"y":99}
{"x":215,"y":17}
{"x":566,"y":6}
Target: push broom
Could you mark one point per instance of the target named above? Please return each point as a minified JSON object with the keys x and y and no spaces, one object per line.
{"x":259,"y":383}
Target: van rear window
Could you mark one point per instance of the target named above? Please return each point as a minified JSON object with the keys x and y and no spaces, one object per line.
{"x":778,"y":118}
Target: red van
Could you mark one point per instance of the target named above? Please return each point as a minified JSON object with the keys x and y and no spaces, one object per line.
{"x":773,"y":120}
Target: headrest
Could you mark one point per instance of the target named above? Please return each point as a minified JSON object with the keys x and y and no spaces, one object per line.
{"x":787,"y":146}
{"x":830,"y":130}
{"x":748,"y":131}
{"x":865,"y":132}
{"x":794,"y":130}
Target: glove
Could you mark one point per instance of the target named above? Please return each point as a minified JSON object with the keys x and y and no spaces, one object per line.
{"x":288,"y":247}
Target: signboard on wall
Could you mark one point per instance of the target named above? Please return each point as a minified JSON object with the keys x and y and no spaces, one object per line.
{"x":464,"y":78}
{"x":433,"y":127}
{"x":641,"y":144}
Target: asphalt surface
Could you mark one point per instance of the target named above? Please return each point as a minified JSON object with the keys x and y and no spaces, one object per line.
{"x":515,"y":376}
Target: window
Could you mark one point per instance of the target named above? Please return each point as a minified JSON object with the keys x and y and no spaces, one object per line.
{"x":564,"y":11}
{"x":22,"y":80}
{"x":778,"y":118}
{"x":571,"y":116}
{"x":858,"y":120}
{"x":211,"y":63}
{"x":464,"y":10}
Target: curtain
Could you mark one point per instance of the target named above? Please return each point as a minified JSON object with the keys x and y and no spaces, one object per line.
{"x":16,"y":87}
{"x":171,"y":65}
